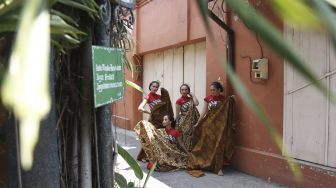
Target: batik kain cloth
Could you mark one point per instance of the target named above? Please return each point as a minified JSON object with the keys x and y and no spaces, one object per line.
{"x":186,"y":126}
{"x":213,"y":138}
{"x":155,"y":143}
{"x":157,"y":113}
{"x":161,"y":109}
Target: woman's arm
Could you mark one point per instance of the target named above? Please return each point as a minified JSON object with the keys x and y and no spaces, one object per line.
{"x":204,"y":111}
{"x":194,"y":98}
{"x":178,"y":110}
{"x":141,"y":107}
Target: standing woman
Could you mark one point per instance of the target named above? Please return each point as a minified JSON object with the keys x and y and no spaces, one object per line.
{"x":159,"y":106}
{"x":186,"y":115}
{"x":213,"y":135}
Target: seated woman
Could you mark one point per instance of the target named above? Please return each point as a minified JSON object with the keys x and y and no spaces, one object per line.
{"x":161,"y":145}
{"x":213,"y":134}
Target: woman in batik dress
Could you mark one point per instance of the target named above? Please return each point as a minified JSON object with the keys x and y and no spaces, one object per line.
{"x":213,"y":134}
{"x":187,"y":115}
{"x":159,"y":106}
{"x":162,"y":145}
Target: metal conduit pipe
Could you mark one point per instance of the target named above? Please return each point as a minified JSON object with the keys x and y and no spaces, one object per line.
{"x":230,"y":36}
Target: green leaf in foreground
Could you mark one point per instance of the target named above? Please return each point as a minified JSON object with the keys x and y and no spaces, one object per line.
{"x":121,"y":181}
{"x":134,"y":85}
{"x":328,"y":17}
{"x":274,"y":39}
{"x":131,"y":162}
{"x":149,"y":174}
{"x":244,"y":93}
{"x":288,"y":9}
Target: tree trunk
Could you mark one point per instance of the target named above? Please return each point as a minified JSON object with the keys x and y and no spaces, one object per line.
{"x":103,"y":115}
{"x":86,"y":106}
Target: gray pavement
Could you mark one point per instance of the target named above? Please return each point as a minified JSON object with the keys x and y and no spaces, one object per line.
{"x":181,"y":179}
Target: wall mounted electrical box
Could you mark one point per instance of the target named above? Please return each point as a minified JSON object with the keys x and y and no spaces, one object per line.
{"x":260,"y":68}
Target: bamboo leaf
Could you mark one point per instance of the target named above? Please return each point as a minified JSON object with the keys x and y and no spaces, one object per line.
{"x":254,"y":106}
{"x":250,"y":101}
{"x":134,"y":85}
{"x":71,"y":39}
{"x":59,"y":26}
{"x":27,"y":77}
{"x":274,"y":39}
{"x":149,"y":174}
{"x":58,"y":46}
{"x":120,"y":179}
{"x":8,"y":25}
{"x":78,"y":6}
{"x":331,"y":2}
{"x":131,"y":162}
{"x":93,"y":5}
{"x":289,"y":9}
{"x":52,"y":2}
{"x":63,"y":16}
{"x":7,"y":8}
{"x":328,"y":17}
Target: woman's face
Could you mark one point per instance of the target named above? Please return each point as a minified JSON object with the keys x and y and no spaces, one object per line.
{"x":154,"y":87}
{"x":214,"y":90}
{"x":184,"y":90}
{"x":165,"y":121}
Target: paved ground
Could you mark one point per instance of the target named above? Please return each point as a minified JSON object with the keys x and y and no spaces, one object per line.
{"x":180,"y":179}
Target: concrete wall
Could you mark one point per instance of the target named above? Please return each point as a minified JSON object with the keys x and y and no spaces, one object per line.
{"x":160,"y":25}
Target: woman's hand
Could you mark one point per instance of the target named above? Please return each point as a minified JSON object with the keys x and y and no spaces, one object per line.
{"x":146,"y":112}
{"x":192,"y":94}
{"x":194,"y":127}
{"x":194,"y":98}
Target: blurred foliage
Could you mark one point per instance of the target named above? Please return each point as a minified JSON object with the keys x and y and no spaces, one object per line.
{"x":65,"y":31}
{"x":121,"y":180}
{"x":296,"y":12}
{"x":25,"y":87}
{"x":39,"y":23}
{"x":309,"y":13}
{"x":36,"y":22}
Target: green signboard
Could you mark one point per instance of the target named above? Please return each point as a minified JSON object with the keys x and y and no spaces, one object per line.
{"x":108,"y":74}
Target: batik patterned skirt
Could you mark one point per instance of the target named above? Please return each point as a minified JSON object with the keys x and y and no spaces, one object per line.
{"x":213,"y":140}
{"x":186,"y":126}
{"x":157,"y":147}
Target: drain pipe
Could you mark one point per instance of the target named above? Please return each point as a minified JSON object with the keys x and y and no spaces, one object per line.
{"x":230,"y":37}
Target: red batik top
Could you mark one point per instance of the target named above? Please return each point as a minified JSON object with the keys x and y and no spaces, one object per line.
{"x":184,"y":102}
{"x":153,"y":99}
{"x":213,"y":100}
{"x":173,"y":132}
